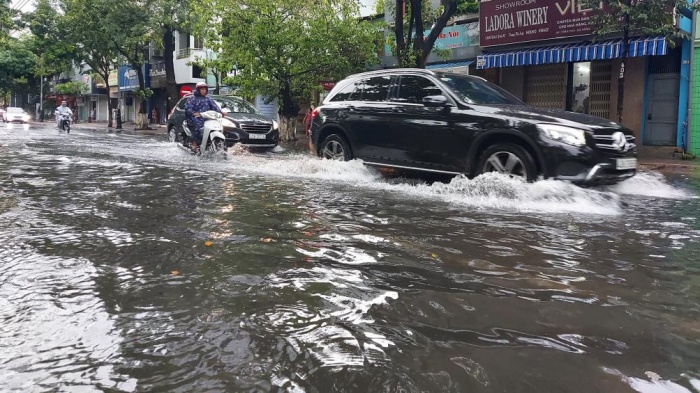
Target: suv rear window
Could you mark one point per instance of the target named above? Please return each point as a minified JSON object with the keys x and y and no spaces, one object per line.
{"x":376,"y":89}
{"x":346,"y":92}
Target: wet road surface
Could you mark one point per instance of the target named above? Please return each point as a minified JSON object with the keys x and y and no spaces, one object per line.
{"x":127,"y":265}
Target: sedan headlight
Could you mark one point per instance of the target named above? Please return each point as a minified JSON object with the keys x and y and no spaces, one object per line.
{"x":275,"y":125}
{"x":228,"y":123}
{"x":563,"y":134}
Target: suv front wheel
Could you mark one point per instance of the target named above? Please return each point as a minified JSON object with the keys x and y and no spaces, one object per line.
{"x":508,"y":159}
{"x":335,"y":147}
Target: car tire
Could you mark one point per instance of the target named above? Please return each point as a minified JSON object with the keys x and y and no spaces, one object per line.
{"x":335,"y":147}
{"x":510,"y":159}
{"x":172,"y":134}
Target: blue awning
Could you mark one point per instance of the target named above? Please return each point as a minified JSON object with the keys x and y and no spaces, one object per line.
{"x":449,"y":65}
{"x":606,"y":50}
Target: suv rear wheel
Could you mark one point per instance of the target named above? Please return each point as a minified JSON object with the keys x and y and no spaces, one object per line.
{"x":508,"y":159}
{"x":335,"y":147}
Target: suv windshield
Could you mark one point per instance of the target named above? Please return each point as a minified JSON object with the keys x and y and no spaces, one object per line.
{"x":235,"y":106}
{"x":476,"y":91}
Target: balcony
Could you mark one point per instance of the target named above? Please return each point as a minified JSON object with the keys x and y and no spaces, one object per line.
{"x":183,"y":71}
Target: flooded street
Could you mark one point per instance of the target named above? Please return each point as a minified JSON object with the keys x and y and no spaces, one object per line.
{"x":127,"y":265}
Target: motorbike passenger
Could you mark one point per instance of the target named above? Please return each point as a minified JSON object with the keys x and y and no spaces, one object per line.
{"x":196,"y":104}
{"x":62,"y":110}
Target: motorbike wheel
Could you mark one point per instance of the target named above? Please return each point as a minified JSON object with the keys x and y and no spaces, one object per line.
{"x":218,"y":145}
{"x":67,"y":128}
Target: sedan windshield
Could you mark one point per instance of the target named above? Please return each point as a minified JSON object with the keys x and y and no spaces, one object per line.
{"x":15,"y":110}
{"x":477,"y":91}
{"x":236,"y":106}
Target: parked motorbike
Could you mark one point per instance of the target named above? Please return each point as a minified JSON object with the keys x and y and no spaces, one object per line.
{"x":213,"y":139}
{"x":64,"y":121}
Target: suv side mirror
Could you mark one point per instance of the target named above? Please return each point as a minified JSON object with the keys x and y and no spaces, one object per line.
{"x":436,"y":101}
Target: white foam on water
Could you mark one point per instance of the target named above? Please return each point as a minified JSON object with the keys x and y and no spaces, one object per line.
{"x":651,"y":184}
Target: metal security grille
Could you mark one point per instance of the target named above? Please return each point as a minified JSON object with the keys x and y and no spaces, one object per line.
{"x":545,"y":86}
{"x":600,"y":88}
{"x":669,"y":64}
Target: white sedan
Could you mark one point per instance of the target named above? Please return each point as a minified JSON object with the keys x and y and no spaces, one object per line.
{"x":13,"y":114}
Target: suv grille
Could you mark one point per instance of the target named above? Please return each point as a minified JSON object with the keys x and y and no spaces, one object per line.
{"x":614,"y":141}
{"x":256,"y":127}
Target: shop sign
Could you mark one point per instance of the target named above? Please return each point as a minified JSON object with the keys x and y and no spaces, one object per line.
{"x":515,"y":21}
{"x":452,"y":37}
{"x":129,"y":79}
{"x":328,"y":85}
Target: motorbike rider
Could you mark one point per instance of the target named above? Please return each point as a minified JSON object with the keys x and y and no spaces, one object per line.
{"x":196,"y":104}
{"x":63,"y":110}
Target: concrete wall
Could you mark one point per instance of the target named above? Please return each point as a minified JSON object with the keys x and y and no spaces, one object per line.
{"x":694,"y":134}
{"x":633,"y":112}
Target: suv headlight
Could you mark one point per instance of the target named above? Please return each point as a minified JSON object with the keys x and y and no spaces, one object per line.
{"x":563,"y":134}
{"x":228,"y":123}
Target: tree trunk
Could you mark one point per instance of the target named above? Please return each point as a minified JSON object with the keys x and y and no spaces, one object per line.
{"x":169,"y":55}
{"x":289,"y":111}
{"x":109,"y":104}
{"x":398,"y":30}
{"x":217,"y":87}
{"x":449,"y":10}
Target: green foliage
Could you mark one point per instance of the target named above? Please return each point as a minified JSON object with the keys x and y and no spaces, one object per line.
{"x":465,"y":7}
{"x":6,"y":22}
{"x":285,"y":48}
{"x":72,"y":88}
{"x":16,"y":64}
{"x":48,"y":40}
{"x":379,"y":7}
{"x":639,"y":17}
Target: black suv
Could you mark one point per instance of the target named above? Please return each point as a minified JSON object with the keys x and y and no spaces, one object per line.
{"x":458,"y":124}
{"x":243,"y":124}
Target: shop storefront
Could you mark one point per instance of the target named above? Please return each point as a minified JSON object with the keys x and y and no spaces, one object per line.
{"x":158,"y":105}
{"x":543,"y":52}
{"x":129,"y":100}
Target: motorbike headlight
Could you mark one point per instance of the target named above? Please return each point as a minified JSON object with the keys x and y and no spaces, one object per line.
{"x":228,"y":123}
{"x":570,"y":136}
{"x":275,"y":125}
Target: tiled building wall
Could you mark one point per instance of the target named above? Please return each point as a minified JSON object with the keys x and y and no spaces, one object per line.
{"x":695,"y":107}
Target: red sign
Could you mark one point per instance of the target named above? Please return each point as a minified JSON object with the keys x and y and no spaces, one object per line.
{"x":185,"y":90}
{"x":514,"y":21}
{"x":328,"y":85}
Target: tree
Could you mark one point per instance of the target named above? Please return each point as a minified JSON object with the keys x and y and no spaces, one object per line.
{"x":6,"y":23}
{"x":217,"y":66}
{"x":83,"y":24}
{"x":131,"y":30}
{"x":631,"y":18}
{"x":17,"y":63}
{"x":47,"y":39}
{"x":410,"y":45}
{"x":284,"y":48}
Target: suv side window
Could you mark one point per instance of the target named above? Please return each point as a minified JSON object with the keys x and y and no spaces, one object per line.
{"x":181,"y":104}
{"x":414,"y":88}
{"x":376,"y":89}
{"x":347,"y":92}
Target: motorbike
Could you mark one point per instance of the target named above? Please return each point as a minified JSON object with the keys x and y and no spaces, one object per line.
{"x":213,"y":139}
{"x":64,"y":121}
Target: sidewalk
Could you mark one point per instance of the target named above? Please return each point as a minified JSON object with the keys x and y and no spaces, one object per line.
{"x":665,"y":159}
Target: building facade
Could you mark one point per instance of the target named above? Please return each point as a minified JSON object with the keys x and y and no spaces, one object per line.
{"x":544,"y":52}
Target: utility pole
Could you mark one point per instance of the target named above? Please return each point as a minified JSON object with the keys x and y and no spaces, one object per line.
{"x":41,"y":99}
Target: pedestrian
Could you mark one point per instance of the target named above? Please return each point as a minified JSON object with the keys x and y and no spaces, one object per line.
{"x":93,"y":115}
{"x":154,"y":115}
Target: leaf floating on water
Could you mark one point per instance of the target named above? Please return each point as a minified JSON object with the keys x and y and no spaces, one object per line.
{"x":174,"y":272}
{"x":266,"y":240}
{"x":208,"y":243}
{"x":434,"y":256}
{"x":474,"y":369}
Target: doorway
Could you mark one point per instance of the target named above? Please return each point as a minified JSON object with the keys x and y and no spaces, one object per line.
{"x":662,"y":110}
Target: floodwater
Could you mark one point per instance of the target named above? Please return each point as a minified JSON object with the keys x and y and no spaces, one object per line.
{"x":127,"y":265}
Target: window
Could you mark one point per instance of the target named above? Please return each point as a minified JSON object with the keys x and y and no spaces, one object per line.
{"x":236,"y":106}
{"x":345,"y":93}
{"x":198,"y":42}
{"x":181,"y":104}
{"x":198,"y":72}
{"x":414,"y":88}
{"x":376,"y":89}
{"x":477,"y":91}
